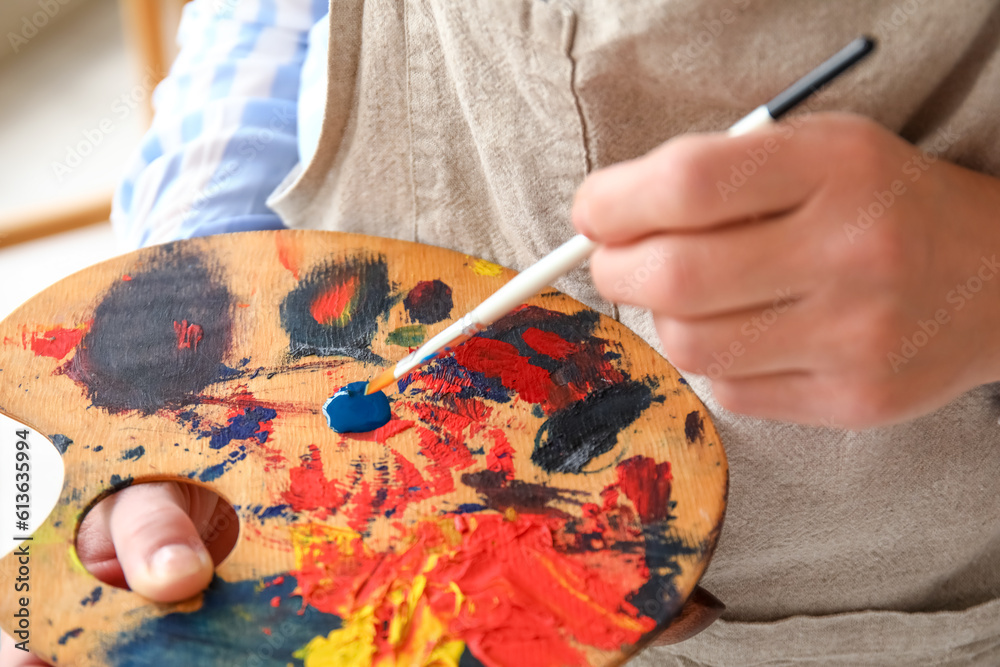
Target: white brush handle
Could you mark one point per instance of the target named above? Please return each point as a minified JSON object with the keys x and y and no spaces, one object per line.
{"x":531,"y":281}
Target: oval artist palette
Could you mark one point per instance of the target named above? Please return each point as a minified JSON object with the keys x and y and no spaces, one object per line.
{"x":548,"y":496}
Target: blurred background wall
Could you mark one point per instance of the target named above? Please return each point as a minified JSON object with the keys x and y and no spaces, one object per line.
{"x":76,"y":78}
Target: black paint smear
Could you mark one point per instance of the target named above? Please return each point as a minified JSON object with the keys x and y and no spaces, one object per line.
{"x":501,"y":493}
{"x":429,"y":302}
{"x":308,"y":337}
{"x":572,"y":437}
{"x":131,"y":359}
{"x":658,"y":598}
{"x":469,"y":660}
{"x":118,"y":482}
{"x":93,"y":598}
{"x":694,"y":426}
{"x":60,"y":442}
{"x":585,"y":367}
{"x":72,"y":634}
{"x":576,"y":328}
{"x":134,"y":454}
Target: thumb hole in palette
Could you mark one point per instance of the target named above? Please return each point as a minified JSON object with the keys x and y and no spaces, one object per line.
{"x":214,"y":520}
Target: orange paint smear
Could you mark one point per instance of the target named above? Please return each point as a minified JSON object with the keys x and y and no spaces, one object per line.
{"x":288,"y":253}
{"x":331,"y":304}
{"x":518,"y":592}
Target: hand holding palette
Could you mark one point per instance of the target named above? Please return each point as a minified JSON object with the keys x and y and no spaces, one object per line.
{"x":548,"y":495}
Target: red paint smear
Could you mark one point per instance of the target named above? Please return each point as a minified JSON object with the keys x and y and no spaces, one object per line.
{"x":495,"y":358}
{"x":393,"y":428}
{"x":330,"y":305}
{"x":288,"y":253}
{"x":126,"y":277}
{"x":188,"y":335}
{"x":361,"y":509}
{"x":454,"y":415}
{"x":55,"y":343}
{"x":647,"y":484}
{"x":310,"y":489}
{"x":445,"y":452}
{"x":409,"y":486}
{"x":500,"y":458}
{"x":526,"y":594}
{"x":548,"y":343}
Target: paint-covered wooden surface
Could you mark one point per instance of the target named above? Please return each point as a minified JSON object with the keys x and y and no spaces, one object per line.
{"x":548,"y":496}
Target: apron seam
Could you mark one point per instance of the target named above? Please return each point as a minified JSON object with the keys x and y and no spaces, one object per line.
{"x":567,"y":38}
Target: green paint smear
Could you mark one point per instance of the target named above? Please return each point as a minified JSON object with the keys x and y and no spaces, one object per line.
{"x":408,"y":336}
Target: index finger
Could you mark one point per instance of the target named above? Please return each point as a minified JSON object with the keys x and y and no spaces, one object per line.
{"x":699,"y":181}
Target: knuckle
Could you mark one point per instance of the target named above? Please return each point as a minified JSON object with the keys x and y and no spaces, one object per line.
{"x":682,"y":346}
{"x":867,"y":403}
{"x":685,"y":173}
{"x":729,"y":396}
{"x":675,"y":282}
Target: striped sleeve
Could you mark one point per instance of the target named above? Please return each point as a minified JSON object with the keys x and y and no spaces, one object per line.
{"x":224,"y":133}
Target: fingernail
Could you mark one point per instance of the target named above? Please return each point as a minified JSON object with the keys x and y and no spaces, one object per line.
{"x":178,"y":561}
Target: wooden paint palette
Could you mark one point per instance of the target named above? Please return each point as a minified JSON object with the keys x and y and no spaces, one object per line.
{"x":548,"y":496}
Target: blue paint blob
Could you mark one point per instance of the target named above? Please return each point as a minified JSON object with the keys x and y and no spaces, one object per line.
{"x":350,"y":411}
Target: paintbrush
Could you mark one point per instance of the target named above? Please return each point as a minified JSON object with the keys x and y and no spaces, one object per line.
{"x":535,"y":278}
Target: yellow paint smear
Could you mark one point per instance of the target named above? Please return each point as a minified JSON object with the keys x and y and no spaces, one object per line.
{"x":484,"y":268}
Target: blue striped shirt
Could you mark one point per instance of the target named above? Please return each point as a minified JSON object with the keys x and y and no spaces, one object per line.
{"x":225,"y":132}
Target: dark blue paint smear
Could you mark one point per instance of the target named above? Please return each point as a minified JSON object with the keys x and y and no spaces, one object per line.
{"x":658,"y":598}
{"x":130,"y":358}
{"x":93,"y":598}
{"x":61,"y":442}
{"x":350,"y":411}
{"x":244,"y":426}
{"x":134,"y":454}
{"x":227,"y":630}
{"x":72,"y":634}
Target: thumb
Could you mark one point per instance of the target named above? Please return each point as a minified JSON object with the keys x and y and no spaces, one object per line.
{"x":153,"y":530}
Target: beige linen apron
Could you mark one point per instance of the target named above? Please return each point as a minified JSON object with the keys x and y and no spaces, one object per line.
{"x":469,"y":124}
